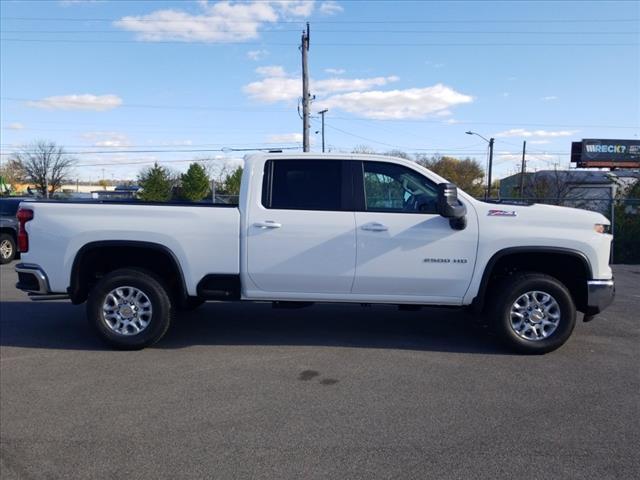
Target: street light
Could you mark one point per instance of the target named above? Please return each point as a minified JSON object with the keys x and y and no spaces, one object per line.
{"x":487,"y":193}
{"x":322,"y":112}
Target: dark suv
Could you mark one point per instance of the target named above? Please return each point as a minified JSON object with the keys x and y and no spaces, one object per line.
{"x":8,"y":228}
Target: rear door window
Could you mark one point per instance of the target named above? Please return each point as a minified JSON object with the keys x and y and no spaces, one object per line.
{"x":305,"y":185}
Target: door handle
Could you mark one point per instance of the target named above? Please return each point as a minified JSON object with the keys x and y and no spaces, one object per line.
{"x":267,"y":224}
{"x":375,"y":227}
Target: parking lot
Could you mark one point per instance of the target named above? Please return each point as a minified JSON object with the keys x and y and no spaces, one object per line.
{"x":247,"y":391}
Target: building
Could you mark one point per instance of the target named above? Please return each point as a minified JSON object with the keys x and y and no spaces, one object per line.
{"x":590,"y":189}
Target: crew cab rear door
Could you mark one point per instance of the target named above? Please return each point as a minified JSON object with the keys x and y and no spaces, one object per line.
{"x":301,"y":234}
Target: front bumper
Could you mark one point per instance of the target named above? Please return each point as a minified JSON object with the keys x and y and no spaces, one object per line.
{"x":32,"y":279}
{"x":600,"y":294}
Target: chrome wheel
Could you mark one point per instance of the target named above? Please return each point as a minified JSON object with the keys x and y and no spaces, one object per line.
{"x":127,"y":310}
{"x":6,"y":249}
{"x":535,"y":315}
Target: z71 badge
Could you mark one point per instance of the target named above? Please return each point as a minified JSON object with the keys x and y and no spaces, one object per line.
{"x":502,"y":213}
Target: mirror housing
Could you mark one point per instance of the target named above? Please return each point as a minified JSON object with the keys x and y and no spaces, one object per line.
{"x":450,"y":207}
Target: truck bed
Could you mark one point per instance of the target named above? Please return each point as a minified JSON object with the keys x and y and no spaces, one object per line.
{"x":204,"y":237}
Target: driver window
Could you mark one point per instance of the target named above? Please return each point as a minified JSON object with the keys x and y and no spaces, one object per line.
{"x":394,"y":188}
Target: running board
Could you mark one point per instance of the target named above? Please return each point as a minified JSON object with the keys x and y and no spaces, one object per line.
{"x":41,"y":298}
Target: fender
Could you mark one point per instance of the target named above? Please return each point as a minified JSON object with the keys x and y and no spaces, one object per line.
{"x":75,"y":290}
{"x":479,"y":300}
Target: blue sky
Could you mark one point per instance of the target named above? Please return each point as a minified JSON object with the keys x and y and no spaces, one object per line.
{"x":128,"y":82}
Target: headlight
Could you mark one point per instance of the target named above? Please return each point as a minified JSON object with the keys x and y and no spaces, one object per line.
{"x":602,"y":228}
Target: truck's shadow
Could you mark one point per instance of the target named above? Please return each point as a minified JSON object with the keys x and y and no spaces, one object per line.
{"x":60,"y":325}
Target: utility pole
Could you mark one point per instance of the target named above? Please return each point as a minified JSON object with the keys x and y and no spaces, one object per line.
{"x":491,"y":140}
{"x":523,"y":170}
{"x":304,"y":48}
{"x":322,"y":112}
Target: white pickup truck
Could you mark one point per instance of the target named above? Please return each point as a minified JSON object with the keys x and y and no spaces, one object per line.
{"x":322,"y":228}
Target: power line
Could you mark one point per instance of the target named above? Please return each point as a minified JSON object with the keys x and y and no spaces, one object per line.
{"x":362,"y":138}
{"x":457,"y":122}
{"x":341,"y":45}
{"x":200,"y":150}
{"x":349,"y":22}
{"x":516,"y":124}
{"x":13,"y":146}
{"x":170,"y":107}
{"x":457,"y":32}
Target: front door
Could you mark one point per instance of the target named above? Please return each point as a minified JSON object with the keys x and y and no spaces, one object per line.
{"x":405,"y":249}
{"x":301,"y":238}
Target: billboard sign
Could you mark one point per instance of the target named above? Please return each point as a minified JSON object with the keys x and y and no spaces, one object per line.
{"x":599,"y":153}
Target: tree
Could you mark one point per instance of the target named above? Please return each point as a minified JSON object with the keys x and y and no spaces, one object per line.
{"x":11,"y":171}
{"x":44,"y":164}
{"x":398,"y":153}
{"x":466,"y":174}
{"x":626,"y":248}
{"x":103,"y":183}
{"x":553,"y":187}
{"x":363,"y":149}
{"x":156,"y":184}
{"x":195,"y":183}
{"x":232,"y":181}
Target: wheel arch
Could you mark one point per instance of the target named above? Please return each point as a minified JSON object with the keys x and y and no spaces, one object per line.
{"x":552,"y":261}
{"x":133,"y":253}
{"x":9,"y":231}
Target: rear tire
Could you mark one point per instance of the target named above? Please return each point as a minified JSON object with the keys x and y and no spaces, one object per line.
{"x":130,"y":309}
{"x":532,"y":313}
{"x":7,"y":249}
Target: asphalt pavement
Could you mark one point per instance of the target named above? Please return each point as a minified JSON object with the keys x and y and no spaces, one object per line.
{"x":244,"y":391}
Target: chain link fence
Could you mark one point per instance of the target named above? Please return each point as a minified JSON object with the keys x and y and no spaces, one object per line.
{"x":624,"y":215}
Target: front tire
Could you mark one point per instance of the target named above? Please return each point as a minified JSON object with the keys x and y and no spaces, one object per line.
{"x":130,"y":309}
{"x":533,"y":313}
{"x":7,"y":248}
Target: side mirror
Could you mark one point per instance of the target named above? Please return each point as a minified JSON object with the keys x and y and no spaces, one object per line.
{"x":450,"y":207}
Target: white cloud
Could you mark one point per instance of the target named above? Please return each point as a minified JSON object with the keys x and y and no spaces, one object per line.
{"x":256,"y":55}
{"x":295,"y":8}
{"x":220,"y":22}
{"x":285,"y":138}
{"x":107,"y":139}
{"x":85,"y":101}
{"x":539,"y":142}
{"x":505,"y":94}
{"x":14,"y":126}
{"x":330,"y":7}
{"x":398,"y":104}
{"x":521,"y":132}
{"x":334,"y":71}
{"x":271,"y":71}
{"x":278,"y":86}
{"x":330,"y":85}
{"x":274,"y":89}
{"x":549,"y":98}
